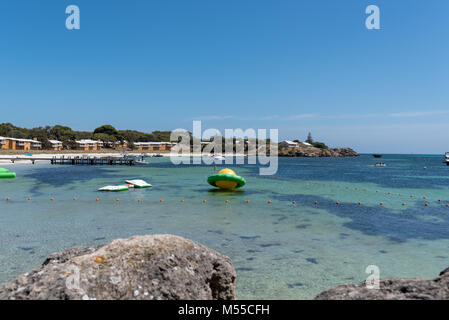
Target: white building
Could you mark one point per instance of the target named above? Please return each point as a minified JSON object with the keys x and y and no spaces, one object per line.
{"x":19,"y":144}
{"x":154,"y":146}
{"x":88,"y":144}
{"x":56,"y":144}
{"x":288,"y":143}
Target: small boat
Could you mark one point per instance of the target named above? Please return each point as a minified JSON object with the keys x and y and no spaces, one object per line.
{"x":139,"y":184}
{"x":447,"y":158}
{"x":158,"y":155}
{"x":377,"y":155}
{"x":141,"y":161}
{"x":114,"y":188}
{"x":6,"y":174}
{"x":219,"y":157}
{"x":380,"y":164}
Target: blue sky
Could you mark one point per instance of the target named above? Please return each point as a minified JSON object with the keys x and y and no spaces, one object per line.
{"x":298,"y":66}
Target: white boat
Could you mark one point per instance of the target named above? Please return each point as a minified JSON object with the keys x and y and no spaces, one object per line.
{"x":139,"y":183}
{"x":219,"y":157}
{"x":114,"y":188}
{"x":447,"y":158}
{"x":141,"y":161}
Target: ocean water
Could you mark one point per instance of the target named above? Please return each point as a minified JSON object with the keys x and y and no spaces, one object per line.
{"x":280,"y":250}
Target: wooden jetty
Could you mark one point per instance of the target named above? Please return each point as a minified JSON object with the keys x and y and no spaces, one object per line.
{"x":77,"y":160}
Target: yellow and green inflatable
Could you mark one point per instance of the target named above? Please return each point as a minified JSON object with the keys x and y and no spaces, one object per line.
{"x":5,"y":174}
{"x":226,"y":179}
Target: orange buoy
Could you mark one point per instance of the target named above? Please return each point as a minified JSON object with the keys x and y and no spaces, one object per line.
{"x":29,"y":199}
{"x":403,"y":203}
{"x":161,"y":200}
{"x":381,"y":203}
{"x":359,"y":203}
{"x":204,"y":201}
{"x":7,"y":199}
{"x":337,"y":203}
{"x":182,"y":200}
{"x":117,"y":200}
{"x":100,"y":259}
{"x":96,"y":199}
{"x":389,"y":193}
{"x":316,"y":202}
{"x":139,"y":201}
{"x":74,"y":199}
{"x":447,"y":205}
{"x":227,"y":201}
{"x":52,"y":199}
{"x":293,"y":202}
{"x":269,"y":201}
{"x":424,"y":197}
{"x":247,"y":201}
{"x":377,"y":190}
{"x":426,"y":204}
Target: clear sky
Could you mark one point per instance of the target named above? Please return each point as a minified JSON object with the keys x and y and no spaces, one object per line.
{"x":295,"y":65}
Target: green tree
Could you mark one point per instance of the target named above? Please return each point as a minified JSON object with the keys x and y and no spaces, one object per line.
{"x":61,"y":133}
{"x":320,"y":145}
{"x":106,"y":129}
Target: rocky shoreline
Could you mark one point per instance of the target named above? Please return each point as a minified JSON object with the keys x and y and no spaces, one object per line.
{"x":393,"y":289}
{"x":313,"y":152}
{"x":151,"y":267}
{"x":167,"y":267}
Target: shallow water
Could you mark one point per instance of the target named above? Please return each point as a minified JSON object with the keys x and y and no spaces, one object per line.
{"x":280,"y":250}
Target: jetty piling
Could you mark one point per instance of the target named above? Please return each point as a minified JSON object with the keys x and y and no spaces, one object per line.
{"x":77,"y":160}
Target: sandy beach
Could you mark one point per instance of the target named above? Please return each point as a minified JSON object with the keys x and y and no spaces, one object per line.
{"x":5,"y":159}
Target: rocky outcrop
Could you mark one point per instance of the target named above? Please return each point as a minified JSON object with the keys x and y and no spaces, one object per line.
{"x":141,"y":267}
{"x":393,"y":289}
{"x":307,"y":151}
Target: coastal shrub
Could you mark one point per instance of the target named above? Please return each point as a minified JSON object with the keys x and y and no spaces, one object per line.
{"x":106,"y":129}
{"x":320,"y":145}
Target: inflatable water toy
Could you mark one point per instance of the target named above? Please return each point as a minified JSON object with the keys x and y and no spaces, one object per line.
{"x":5,"y":174}
{"x":114,"y":188}
{"x":139,"y":183}
{"x":226,"y":179}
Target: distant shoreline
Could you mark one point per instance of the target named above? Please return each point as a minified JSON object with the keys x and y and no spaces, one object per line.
{"x":76,"y":153}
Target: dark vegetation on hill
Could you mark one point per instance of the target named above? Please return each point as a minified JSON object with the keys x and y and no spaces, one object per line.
{"x":67,"y":135}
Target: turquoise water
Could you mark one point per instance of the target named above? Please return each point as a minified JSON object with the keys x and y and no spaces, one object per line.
{"x":280,"y":250}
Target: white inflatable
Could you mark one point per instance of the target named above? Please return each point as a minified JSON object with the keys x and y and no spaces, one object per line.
{"x":139,"y":183}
